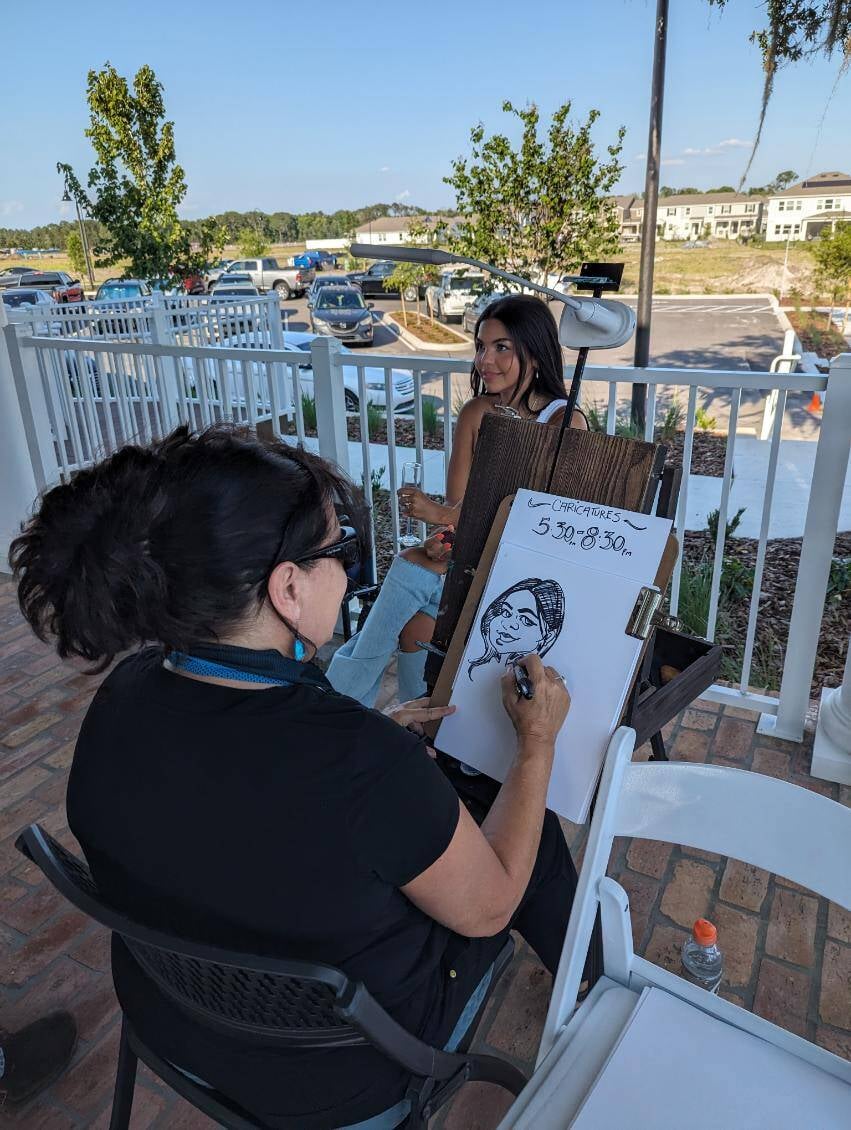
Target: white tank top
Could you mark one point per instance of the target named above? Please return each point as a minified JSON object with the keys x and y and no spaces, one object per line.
{"x":546,"y":414}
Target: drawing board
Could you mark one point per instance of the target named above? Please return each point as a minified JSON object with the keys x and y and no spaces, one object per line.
{"x":564,"y":583}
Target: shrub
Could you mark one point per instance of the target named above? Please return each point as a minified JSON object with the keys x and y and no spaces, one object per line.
{"x":672,"y":420}
{"x":596,"y":417}
{"x":308,"y":411}
{"x":459,"y":399}
{"x":732,"y":525}
{"x":704,"y":421}
{"x":374,"y":417}
{"x":431,"y":417}
{"x":375,"y":476}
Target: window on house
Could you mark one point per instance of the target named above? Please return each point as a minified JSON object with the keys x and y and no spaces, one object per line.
{"x":777,"y":229}
{"x":688,"y":211}
{"x":750,"y":208}
{"x":787,"y":229}
{"x":670,"y":211}
{"x":709,"y":210}
{"x":798,"y":204}
{"x":726,"y":209}
{"x":796,"y":229}
{"x":828,"y":204}
{"x":819,"y":205}
{"x":781,"y":205}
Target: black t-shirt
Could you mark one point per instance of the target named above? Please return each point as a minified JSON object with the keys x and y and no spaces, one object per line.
{"x":280,"y":821}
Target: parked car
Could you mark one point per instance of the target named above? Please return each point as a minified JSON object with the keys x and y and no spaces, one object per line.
{"x":371,"y":281}
{"x":472,"y":312}
{"x":212,"y":274}
{"x":122,"y":290}
{"x":59,"y":284}
{"x":327,"y":261}
{"x":453,"y":293}
{"x":267,"y":275}
{"x":342,"y":312}
{"x":233,"y":278}
{"x":20,"y":298}
{"x":11,"y":276}
{"x":310,"y":259}
{"x":194,"y":284}
{"x":402,"y":381}
{"x":327,"y":280}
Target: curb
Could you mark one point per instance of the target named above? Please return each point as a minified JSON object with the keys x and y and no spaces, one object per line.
{"x":415,"y":342}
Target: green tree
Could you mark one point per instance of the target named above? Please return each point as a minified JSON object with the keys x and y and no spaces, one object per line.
{"x":722,"y":188}
{"x":75,"y":253}
{"x":136,"y":184}
{"x":782,"y":181}
{"x":252,"y":244}
{"x":542,"y":207}
{"x":832,"y":253}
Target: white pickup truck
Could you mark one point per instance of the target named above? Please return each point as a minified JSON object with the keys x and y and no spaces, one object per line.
{"x":266,"y":274}
{"x":455,"y":291}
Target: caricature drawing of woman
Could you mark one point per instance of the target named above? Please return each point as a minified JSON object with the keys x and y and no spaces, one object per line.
{"x":526,"y":617}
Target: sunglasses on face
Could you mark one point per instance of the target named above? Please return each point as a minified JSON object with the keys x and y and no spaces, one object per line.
{"x":346,"y":550}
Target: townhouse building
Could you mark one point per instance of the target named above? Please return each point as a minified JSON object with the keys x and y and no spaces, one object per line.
{"x":805,"y":209}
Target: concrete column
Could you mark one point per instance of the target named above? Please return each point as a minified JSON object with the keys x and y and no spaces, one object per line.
{"x":832,"y":746}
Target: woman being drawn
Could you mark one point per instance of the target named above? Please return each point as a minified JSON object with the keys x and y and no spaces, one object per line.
{"x":518,"y":369}
{"x":525,"y":618}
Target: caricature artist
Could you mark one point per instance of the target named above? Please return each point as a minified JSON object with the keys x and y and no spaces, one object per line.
{"x":222,"y":790}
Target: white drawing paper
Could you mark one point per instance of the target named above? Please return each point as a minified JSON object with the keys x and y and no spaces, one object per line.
{"x":563,"y":583}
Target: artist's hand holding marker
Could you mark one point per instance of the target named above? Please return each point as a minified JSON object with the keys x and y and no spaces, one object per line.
{"x":536,"y":700}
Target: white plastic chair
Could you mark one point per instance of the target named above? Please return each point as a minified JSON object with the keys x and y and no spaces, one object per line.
{"x":771,"y":824}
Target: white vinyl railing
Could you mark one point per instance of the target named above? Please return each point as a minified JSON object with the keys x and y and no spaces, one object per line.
{"x":92,"y":396}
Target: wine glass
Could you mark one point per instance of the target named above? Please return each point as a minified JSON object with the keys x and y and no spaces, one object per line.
{"x":412,"y":476}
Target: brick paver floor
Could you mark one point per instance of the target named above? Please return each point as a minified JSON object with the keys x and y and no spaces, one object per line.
{"x":788,"y":953}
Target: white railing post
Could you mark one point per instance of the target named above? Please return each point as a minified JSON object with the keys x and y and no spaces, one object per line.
{"x":162,"y":333}
{"x":27,"y":458}
{"x":828,"y":482}
{"x":280,"y":373}
{"x":329,"y":394}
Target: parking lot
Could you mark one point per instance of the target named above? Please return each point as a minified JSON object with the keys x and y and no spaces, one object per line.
{"x":710,"y":332}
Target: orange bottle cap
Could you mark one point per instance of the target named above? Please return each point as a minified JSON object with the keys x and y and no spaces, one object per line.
{"x":704,"y":932}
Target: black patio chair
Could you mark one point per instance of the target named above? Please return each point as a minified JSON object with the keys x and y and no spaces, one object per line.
{"x":295,"y":1004}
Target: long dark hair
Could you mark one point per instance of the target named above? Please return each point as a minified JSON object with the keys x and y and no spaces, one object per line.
{"x":533,"y":330}
{"x":171,"y":542}
{"x":549,"y":600}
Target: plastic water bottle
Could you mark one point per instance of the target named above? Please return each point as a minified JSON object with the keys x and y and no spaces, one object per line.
{"x":703,"y":962}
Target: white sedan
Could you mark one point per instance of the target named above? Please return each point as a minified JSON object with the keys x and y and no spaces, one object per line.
{"x":376,"y":392}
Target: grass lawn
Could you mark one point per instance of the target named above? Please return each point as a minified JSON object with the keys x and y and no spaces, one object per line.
{"x":426,"y":329}
{"x":723,"y":268}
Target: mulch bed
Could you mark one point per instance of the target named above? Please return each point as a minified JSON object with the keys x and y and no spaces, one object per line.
{"x":708,"y":450}
{"x":778,"y":592}
{"x":707,"y":454}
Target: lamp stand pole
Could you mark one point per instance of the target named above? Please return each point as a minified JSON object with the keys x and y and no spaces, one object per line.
{"x":648,"y":226}
{"x":84,"y":239}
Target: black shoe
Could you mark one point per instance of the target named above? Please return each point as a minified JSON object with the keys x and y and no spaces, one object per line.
{"x":36,"y":1056}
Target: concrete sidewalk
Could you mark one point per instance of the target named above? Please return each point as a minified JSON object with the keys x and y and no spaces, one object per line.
{"x":796,"y":460}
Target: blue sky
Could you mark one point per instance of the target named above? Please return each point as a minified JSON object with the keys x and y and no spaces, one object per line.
{"x":337,"y":104}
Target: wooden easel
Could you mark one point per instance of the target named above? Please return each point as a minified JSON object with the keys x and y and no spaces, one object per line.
{"x":512,"y":453}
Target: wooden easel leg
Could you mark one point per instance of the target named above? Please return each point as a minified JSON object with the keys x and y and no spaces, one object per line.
{"x":657,"y":744}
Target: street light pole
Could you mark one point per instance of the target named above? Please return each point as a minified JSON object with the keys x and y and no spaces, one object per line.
{"x":648,"y":226}
{"x":84,"y":239}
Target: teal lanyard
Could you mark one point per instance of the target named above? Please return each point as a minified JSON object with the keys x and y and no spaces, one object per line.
{"x":180,"y":661}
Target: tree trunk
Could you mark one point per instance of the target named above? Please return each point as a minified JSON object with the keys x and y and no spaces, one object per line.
{"x":404,"y":309}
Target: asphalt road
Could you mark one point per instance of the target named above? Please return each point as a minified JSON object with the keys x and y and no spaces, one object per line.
{"x":705,"y":333}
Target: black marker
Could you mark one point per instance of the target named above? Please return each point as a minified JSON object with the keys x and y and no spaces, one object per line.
{"x":522,"y":682}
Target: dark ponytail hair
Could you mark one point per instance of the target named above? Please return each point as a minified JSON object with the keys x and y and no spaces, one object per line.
{"x":172,"y":542}
{"x":533,"y":330}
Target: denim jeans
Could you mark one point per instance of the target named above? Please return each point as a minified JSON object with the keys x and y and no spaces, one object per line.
{"x":357,"y":667}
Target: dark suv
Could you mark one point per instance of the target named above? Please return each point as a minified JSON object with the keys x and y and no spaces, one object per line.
{"x":371,"y":281}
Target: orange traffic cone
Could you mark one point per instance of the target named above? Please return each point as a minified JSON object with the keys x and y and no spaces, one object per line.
{"x":815,"y":403}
